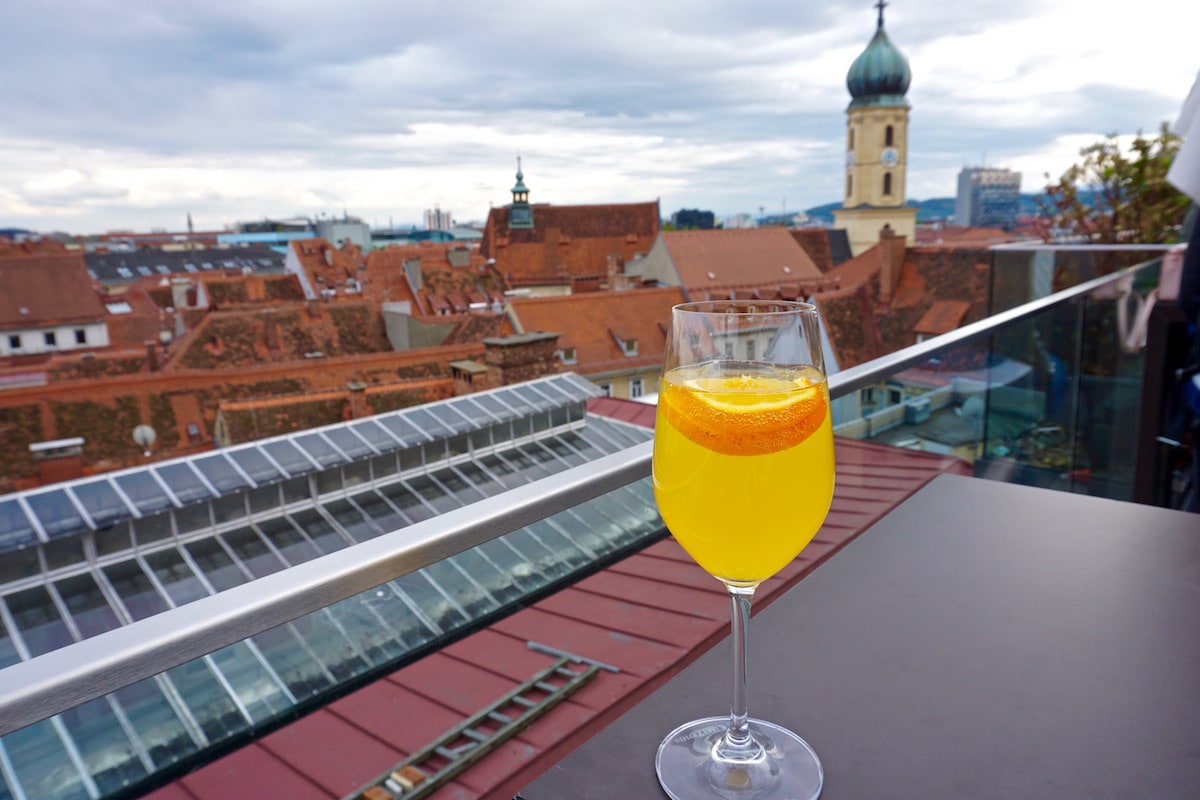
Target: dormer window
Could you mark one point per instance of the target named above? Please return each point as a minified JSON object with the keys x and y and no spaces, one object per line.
{"x":629,"y":346}
{"x":567,"y":355}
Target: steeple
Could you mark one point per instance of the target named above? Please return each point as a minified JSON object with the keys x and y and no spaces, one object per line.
{"x":877,"y":144}
{"x":880,"y":75}
{"x":520,"y":213}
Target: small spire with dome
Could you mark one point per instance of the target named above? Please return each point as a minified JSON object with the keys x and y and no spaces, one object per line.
{"x":880,"y":75}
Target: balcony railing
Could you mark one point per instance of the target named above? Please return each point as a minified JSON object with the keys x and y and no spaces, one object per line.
{"x":1040,"y":391}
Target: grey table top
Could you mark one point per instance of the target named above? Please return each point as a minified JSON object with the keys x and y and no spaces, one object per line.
{"x":983,"y":640}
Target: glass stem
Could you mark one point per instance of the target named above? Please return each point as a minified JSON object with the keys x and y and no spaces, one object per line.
{"x":737,"y":742}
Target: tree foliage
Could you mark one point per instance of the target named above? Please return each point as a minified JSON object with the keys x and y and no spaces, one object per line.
{"x":1118,"y":194}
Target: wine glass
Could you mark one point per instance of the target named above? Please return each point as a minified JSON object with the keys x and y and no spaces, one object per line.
{"x":743,"y":477}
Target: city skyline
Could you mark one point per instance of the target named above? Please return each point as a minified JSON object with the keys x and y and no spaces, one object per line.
{"x":133,"y":118}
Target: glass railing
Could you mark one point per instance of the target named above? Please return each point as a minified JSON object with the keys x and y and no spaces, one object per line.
{"x":1041,"y":392}
{"x":1046,"y":391}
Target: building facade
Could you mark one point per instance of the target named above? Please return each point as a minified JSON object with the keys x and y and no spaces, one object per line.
{"x":987,"y":198}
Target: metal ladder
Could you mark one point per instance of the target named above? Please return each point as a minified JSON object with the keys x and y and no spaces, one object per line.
{"x":437,"y":763}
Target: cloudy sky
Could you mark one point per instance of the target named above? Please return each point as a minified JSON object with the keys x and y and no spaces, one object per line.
{"x":130,"y":114}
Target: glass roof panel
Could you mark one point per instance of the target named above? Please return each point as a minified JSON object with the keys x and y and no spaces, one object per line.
{"x":451,"y":419}
{"x":41,"y":764}
{"x":380,"y":511}
{"x":562,"y":450}
{"x":535,"y":398}
{"x":521,"y":404}
{"x":465,"y":593}
{"x":498,"y":584}
{"x":329,"y":645}
{"x":101,"y":501}
{"x":557,"y":392}
{"x":493,"y":406}
{"x":456,"y":484}
{"x":290,"y":543}
{"x":106,"y":751}
{"x":366,"y":619}
{"x":8,"y":650}
{"x":484,"y":484}
{"x":211,"y":706}
{"x":38,"y":621}
{"x":183,"y":480}
{"x":473,"y":411}
{"x":376,"y":434}
{"x":404,"y":430}
{"x":409,"y":504}
{"x":326,"y":537}
{"x":433,"y":494}
{"x":153,"y":718}
{"x":56,"y":512}
{"x":259,"y":693}
{"x":138,"y":594}
{"x":348,"y":443}
{"x":351,"y":520}
{"x":576,"y":386}
{"x":176,"y":576}
{"x":220,"y":570}
{"x":304,"y":676}
{"x":424,"y":421}
{"x":220,"y":473}
{"x":321,"y":450}
{"x":253,"y":552}
{"x":445,"y":614}
{"x":143,"y":491}
{"x":288,"y":456}
{"x":87,"y":605}
{"x":256,"y":465}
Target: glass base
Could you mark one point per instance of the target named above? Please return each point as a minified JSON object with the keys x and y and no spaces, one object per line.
{"x":783,"y":768}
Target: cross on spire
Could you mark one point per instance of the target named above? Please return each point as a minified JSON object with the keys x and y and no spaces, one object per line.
{"x":880,"y":5}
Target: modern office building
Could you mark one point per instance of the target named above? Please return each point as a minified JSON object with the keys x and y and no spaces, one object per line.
{"x":987,"y":198}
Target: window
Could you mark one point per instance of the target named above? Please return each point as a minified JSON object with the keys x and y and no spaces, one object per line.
{"x":889,"y":136}
{"x":867,"y":396}
{"x":629,"y":346}
{"x":606,"y":389}
{"x":80,"y":336}
{"x":729,"y":348}
{"x":849,"y":184}
{"x":887,"y":183}
{"x":567,"y":355}
{"x":636,"y":387}
{"x":850,"y":140}
{"x":751,"y":349}
{"x":894,"y":397}
{"x":51,"y":339}
{"x":14,"y":341}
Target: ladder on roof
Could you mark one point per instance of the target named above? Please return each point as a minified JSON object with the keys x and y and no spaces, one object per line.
{"x":441,"y":760}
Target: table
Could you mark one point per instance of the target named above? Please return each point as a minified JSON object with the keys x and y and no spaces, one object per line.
{"x":983,"y":640}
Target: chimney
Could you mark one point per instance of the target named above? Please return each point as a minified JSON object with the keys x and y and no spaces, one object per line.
{"x":58,"y":460}
{"x":520,"y":357}
{"x":891,"y":258}
{"x":358,"y":400}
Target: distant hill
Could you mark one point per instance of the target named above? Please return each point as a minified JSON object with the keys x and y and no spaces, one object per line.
{"x":930,"y":210}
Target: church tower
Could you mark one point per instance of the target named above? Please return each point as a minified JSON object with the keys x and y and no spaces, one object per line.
{"x":877,"y":145}
{"x":520,"y":213}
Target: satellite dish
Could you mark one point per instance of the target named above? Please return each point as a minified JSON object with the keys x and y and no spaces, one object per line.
{"x":144,"y":435}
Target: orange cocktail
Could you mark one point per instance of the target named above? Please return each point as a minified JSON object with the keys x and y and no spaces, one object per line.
{"x":743,"y":465}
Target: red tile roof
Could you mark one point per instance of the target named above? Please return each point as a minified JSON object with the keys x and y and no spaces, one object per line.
{"x":711,"y":261}
{"x":650,"y":615}
{"x":568,"y":242}
{"x":47,"y":289}
{"x":592,"y":322}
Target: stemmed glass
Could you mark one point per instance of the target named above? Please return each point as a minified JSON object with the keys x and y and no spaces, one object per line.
{"x":743,"y":477}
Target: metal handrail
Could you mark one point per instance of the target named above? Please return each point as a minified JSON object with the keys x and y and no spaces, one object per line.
{"x":57,"y":681}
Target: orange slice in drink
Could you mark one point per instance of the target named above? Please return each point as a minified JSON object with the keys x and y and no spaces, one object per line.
{"x":744,"y":415}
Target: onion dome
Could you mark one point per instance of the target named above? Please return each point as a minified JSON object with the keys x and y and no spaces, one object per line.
{"x":880,"y":75}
